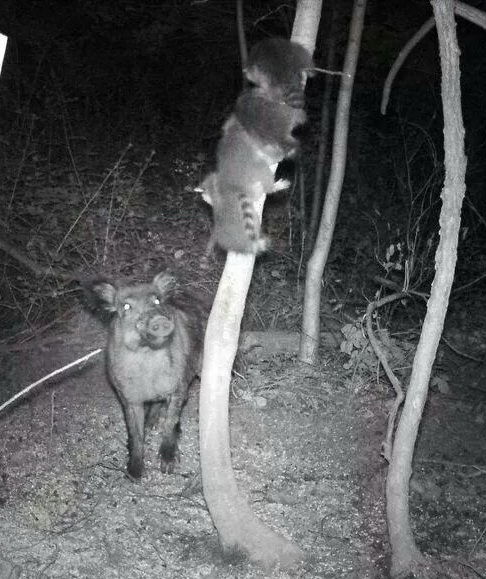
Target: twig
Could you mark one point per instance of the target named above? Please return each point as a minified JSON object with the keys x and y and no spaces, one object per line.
{"x":400,"y":59}
{"x":474,"y":15}
{"x":126,"y":201}
{"x":38,"y":270}
{"x":395,"y":287}
{"x":331,"y":72}
{"x":30,"y":387}
{"x":93,"y":197}
{"x":392,"y":285}
{"x":480,"y":468}
{"x":459,"y":353}
{"x":480,"y":575}
{"x":469,"y":284}
{"x":395,"y":382}
{"x":480,"y":538}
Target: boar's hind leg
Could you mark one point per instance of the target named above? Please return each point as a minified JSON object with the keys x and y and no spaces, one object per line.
{"x":135,"y":417}
{"x":170,"y":431}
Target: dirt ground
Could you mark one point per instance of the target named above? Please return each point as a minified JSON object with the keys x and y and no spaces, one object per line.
{"x":306,"y":451}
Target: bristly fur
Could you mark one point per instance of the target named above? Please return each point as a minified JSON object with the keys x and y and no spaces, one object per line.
{"x":154,"y":347}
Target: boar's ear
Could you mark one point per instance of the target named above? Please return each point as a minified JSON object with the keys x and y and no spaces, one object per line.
{"x":106,"y":292}
{"x":100,"y":295}
{"x":164,"y":283}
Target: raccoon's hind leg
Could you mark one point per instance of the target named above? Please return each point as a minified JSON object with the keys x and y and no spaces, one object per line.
{"x":208,"y":191}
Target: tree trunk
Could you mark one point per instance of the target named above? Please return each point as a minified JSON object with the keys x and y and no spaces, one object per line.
{"x":310,"y":326}
{"x":324,"y":136}
{"x":239,"y":529}
{"x":405,"y":554}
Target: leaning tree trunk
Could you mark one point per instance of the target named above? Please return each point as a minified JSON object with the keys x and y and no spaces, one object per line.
{"x":324,"y":137}
{"x":239,"y":529}
{"x":315,"y":268}
{"x":405,"y":554}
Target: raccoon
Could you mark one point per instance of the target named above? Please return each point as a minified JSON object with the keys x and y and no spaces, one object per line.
{"x":236,"y":222}
{"x":279,"y":69}
{"x":271,"y":124}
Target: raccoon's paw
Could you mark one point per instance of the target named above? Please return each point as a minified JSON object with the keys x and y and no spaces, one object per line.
{"x":206,"y":187}
{"x":262,"y":245}
{"x":206,"y":197}
{"x":256,"y":247}
{"x":281,"y":184}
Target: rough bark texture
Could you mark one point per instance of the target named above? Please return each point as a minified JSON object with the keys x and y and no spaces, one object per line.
{"x":405,"y":555}
{"x":315,"y":267}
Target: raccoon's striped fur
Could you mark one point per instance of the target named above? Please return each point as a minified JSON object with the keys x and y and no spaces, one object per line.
{"x":236,"y":223}
{"x":256,"y":137}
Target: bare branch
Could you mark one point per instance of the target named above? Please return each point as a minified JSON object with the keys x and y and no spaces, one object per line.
{"x":400,"y":59}
{"x":472,"y":14}
{"x":30,"y":387}
{"x":38,"y":270}
{"x":395,"y":382}
{"x":461,"y":9}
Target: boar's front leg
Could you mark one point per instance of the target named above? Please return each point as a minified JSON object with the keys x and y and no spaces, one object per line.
{"x":135,"y":418}
{"x":152,"y":414}
{"x":171,"y":429}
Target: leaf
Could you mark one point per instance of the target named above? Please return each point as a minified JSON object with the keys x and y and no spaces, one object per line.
{"x":441,"y":382}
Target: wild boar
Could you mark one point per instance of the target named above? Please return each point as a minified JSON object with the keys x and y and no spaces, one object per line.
{"x":153,"y":353}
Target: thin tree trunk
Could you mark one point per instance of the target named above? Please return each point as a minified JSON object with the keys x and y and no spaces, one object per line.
{"x":315,"y":268}
{"x":239,"y":529}
{"x":324,"y":128}
{"x":405,"y":554}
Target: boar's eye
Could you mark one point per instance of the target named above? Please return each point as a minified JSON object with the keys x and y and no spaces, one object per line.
{"x":126,"y":307}
{"x":156,"y":301}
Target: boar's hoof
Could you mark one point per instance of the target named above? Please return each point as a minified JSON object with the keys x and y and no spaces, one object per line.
{"x":135,"y":468}
{"x":169,"y":456}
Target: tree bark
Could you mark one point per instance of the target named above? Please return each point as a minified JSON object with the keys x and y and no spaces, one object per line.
{"x":239,"y":529}
{"x":405,"y":554}
{"x":315,"y":268}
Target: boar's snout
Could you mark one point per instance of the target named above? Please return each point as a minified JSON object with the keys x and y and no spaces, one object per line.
{"x":154,"y":329}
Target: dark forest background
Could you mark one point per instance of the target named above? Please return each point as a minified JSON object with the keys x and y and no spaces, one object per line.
{"x":84,"y":80}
